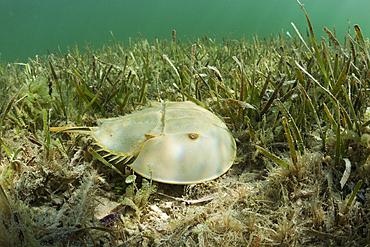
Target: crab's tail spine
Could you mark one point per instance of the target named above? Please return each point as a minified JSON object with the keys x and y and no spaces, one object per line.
{"x":79,"y":130}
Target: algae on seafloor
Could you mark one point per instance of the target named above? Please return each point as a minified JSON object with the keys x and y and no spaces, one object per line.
{"x":301,"y":102}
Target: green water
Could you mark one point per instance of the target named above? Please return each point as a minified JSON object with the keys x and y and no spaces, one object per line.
{"x":31,"y":27}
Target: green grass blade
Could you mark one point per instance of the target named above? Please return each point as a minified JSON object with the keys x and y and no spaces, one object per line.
{"x":173,"y":67}
{"x":359,"y":36}
{"x":272,"y":98}
{"x":273,"y":157}
{"x":300,"y":36}
{"x":46,"y":141}
{"x":91,"y":102}
{"x":101,"y":159}
{"x":317,"y":52}
{"x":339,"y":140}
{"x":6,"y":210}
{"x":290,"y":142}
{"x":9,"y":106}
{"x":317,"y":83}
{"x":250,"y":128}
{"x":299,"y":76}
{"x":332,"y":37}
{"x":333,"y":122}
{"x":353,"y":113}
{"x":292,"y":125}
{"x":341,"y":79}
{"x":354,"y":193}
{"x":313,"y":109}
{"x":59,"y":88}
{"x":7,"y":150}
{"x":346,"y":118}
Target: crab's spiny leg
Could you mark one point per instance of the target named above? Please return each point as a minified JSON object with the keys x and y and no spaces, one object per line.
{"x":115,"y":158}
{"x":127,"y":160}
{"x":100,"y":150}
{"x":107,"y":156}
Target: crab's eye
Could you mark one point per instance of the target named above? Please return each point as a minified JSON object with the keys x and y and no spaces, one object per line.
{"x":193,"y":136}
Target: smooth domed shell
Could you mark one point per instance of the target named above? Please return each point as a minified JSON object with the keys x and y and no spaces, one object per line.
{"x":170,"y":142}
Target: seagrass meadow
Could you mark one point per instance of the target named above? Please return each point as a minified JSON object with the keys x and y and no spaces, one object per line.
{"x":297,"y":107}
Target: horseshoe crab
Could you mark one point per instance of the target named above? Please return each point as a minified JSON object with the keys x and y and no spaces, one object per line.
{"x":170,"y":142}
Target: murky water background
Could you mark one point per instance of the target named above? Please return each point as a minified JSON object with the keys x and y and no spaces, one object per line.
{"x":31,"y":27}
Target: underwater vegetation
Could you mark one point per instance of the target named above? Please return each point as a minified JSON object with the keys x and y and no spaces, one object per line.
{"x":298,"y":109}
